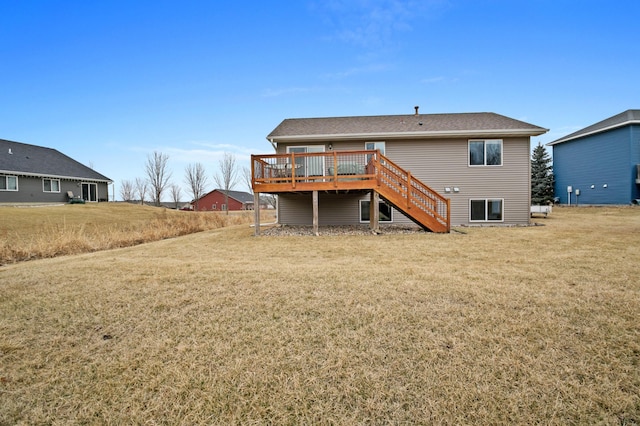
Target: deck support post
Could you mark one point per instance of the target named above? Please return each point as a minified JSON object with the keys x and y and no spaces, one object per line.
{"x":256,"y":213}
{"x":374,"y":211}
{"x":315,"y":213}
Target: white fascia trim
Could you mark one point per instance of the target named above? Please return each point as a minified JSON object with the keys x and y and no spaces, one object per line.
{"x":29,"y":174}
{"x":410,"y":135}
{"x":593,"y":132}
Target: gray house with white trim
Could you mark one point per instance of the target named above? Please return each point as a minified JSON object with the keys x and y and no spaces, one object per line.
{"x":479,"y":162}
{"x":35,"y":174}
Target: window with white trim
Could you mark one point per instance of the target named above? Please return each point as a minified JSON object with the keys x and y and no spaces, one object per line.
{"x":485,"y":152}
{"x":374,"y":145}
{"x":50,"y":185}
{"x":8,"y":183}
{"x":384,"y":209}
{"x":370,"y":146}
{"x":486,"y":210}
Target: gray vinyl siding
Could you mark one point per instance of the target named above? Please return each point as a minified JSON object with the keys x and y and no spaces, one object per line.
{"x":352,"y":145}
{"x":444,"y":163}
{"x":333,"y":209}
{"x":30,"y":190}
{"x":438,"y":164}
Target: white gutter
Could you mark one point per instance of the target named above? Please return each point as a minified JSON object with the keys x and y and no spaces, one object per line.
{"x":593,"y":132}
{"x":19,"y":173}
{"x":412,"y":135}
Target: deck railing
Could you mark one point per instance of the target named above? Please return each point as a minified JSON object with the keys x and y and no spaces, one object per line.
{"x":346,"y":170}
{"x":282,"y":172}
{"x":412,"y":193}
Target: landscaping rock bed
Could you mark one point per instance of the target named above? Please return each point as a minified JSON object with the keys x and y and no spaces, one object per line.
{"x":291,"y":230}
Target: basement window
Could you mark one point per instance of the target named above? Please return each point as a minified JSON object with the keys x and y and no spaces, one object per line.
{"x":50,"y":185}
{"x":8,"y":183}
{"x":384,"y":209}
{"x":486,"y":210}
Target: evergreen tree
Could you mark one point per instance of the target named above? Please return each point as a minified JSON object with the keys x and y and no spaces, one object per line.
{"x":541,"y":177}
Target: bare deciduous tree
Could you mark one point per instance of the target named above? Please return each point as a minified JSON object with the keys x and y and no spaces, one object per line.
{"x":127,"y":192}
{"x":158,"y":174}
{"x":141,"y":188}
{"x":176,"y":193}
{"x":227,"y":176}
{"x":270,"y":199}
{"x":196,"y":178}
{"x":246,"y":177}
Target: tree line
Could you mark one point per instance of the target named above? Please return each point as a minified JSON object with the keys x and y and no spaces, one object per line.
{"x":157,"y":180}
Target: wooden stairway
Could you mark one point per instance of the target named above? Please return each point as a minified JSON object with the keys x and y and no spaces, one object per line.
{"x":420,"y":203}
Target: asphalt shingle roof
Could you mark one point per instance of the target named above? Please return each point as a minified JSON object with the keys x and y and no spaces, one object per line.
{"x":627,"y":117}
{"x":33,"y":160}
{"x":410,"y":125}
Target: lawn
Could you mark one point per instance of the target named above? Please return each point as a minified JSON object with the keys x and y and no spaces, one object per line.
{"x":520,"y":325}
{"x":41,"y":231}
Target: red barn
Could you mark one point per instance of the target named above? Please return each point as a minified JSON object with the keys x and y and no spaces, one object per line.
{"x":215,"y":201}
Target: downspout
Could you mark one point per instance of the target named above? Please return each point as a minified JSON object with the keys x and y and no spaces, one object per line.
{"x":273,"y":144}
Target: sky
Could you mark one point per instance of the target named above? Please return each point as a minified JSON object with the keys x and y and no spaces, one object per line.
{"x":110,"y":82}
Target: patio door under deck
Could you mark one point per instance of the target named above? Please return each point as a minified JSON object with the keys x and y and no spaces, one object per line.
{"x":308,"y":166}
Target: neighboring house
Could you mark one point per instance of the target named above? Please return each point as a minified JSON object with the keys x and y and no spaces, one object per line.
{"x":462,"y":169}
{"x":30,"y":173}
{"x":216,"y":201}
{"x":599,"y":164}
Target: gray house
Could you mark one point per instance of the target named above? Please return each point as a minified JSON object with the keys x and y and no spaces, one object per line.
{"x":30,"y":173}
{"x":435,"y":170}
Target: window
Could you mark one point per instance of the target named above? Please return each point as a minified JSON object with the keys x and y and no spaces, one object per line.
{"x":8,"y":183}
{"x":386,"y":212}
{"x":485,"y":152}
{"x":370,"y":146}
{"x":51,"y":185}
{"x":374,"y":145}
{"x":486,"y":210}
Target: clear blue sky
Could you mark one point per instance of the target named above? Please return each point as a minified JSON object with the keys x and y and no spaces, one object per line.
{"x":108,"y":82}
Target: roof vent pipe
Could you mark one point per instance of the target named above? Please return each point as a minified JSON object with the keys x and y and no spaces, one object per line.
{"x":416,"y":107}
{"x":10,"y":151}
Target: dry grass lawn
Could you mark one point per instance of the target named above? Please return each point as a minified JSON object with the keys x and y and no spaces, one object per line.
{"x":41,"y":231}
{"x":523,"y":325}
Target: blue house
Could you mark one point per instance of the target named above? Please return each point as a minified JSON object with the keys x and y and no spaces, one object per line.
{"x":599,"y":164}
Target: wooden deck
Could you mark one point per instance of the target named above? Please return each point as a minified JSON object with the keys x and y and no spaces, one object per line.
{"x":341,"y":171}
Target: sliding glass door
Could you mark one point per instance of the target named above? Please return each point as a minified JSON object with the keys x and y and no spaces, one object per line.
{"x":90,"y":192}
{"x":308,"y":166}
